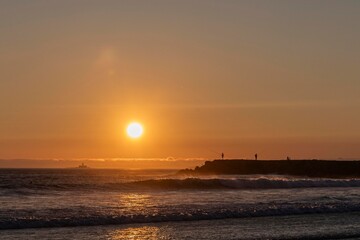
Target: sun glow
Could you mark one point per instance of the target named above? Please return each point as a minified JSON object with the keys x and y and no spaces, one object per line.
{"x":134,"y":130}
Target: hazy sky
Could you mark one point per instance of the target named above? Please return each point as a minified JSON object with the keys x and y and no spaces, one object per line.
{"x":274,"y":77}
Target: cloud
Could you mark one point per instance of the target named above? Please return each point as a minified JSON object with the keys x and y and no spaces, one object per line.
{"x":284,"y":104}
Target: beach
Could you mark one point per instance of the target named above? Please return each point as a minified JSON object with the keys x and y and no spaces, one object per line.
{"x":314,"y":226}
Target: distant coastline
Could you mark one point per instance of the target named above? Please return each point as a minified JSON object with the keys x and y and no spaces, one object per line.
{"x":306,"y":168}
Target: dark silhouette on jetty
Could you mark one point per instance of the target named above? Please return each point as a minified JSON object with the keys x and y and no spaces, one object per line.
{"x":309,"y":168}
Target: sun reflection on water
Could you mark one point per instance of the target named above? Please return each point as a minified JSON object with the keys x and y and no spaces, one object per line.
{"x":135,"y":201}
{"x":138,"y":233}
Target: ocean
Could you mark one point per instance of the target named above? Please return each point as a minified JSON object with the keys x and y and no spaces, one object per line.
{"x":159,"y":204}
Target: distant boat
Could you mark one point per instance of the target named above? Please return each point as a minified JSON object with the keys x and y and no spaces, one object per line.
{"x":82,"y":166}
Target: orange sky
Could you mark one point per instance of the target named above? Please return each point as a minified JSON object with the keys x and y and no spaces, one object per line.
{"x":274,"y":77}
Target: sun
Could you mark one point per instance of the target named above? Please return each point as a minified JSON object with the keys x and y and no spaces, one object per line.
{"x":134,"y":130}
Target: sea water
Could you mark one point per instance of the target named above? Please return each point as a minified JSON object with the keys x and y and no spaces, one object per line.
{"x":159,"y":204}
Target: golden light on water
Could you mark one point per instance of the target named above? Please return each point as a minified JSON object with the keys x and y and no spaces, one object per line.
{"x":140,"y":233}
{"x":134,"y":130}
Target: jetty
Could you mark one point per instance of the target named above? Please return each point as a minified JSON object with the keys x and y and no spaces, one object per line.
{"x":309,"y":168}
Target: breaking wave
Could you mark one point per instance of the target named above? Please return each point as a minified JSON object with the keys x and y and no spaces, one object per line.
{"x":74,"y":217}
{"x":260,"y":183}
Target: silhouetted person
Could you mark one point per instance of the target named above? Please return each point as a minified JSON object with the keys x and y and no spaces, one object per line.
{"x":255,"y":156}
{"x":222,"y":156}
